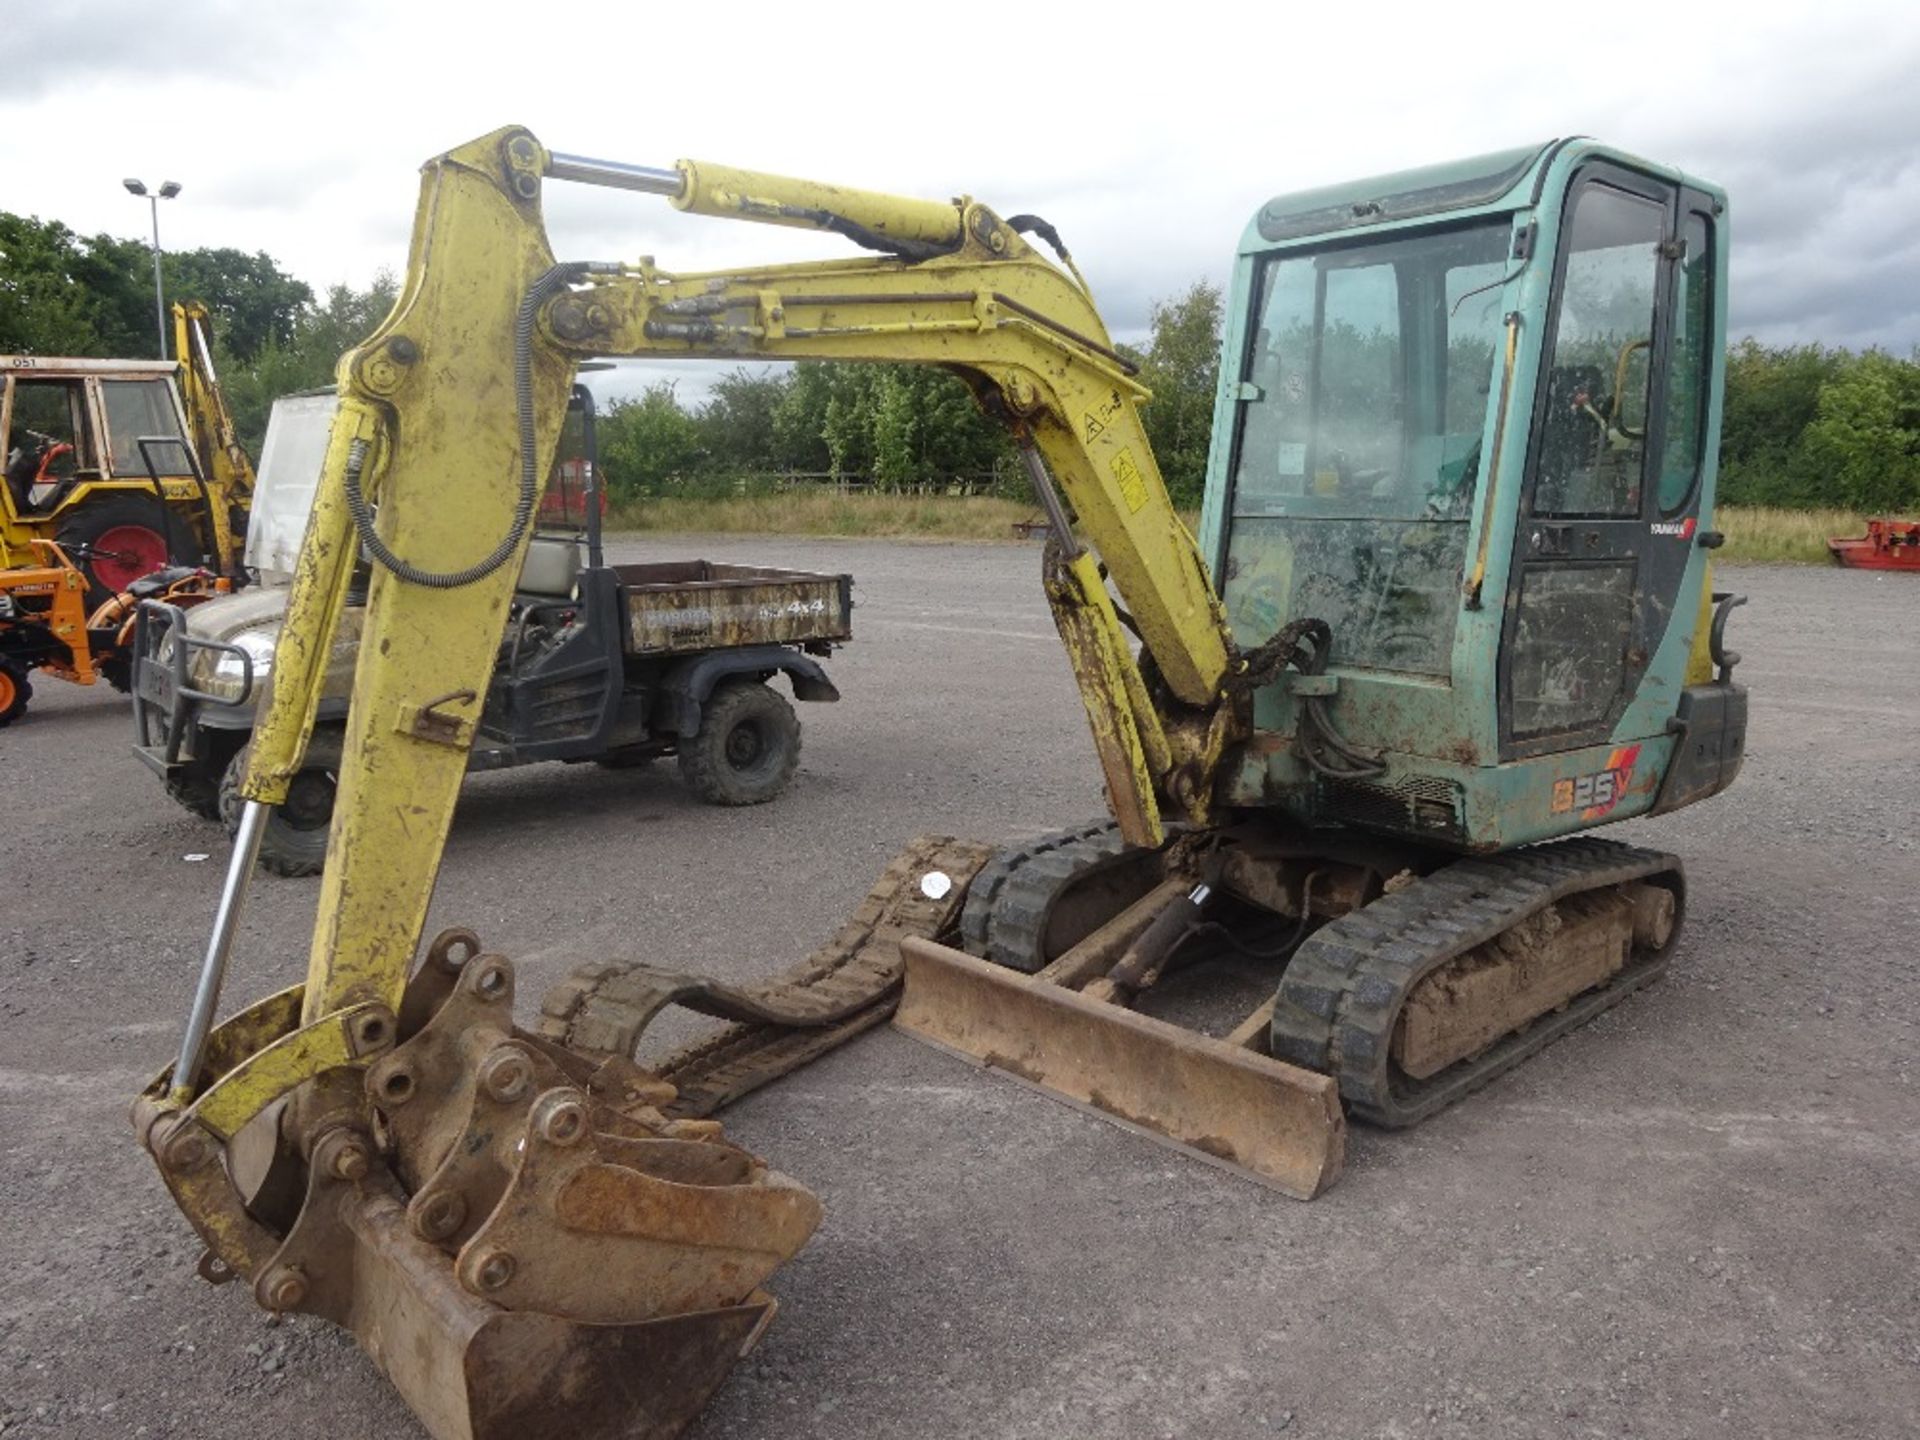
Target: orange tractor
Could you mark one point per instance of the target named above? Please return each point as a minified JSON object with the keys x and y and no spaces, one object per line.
{"x":124,"y":480}
{"x":45,"y":622}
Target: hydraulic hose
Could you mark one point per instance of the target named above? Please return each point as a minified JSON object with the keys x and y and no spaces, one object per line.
{"x":537,"y":294}
{"x":1319,"y":742}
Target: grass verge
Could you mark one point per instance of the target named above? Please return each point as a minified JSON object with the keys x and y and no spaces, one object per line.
{"x":941,"y":517}
{"x":1756,"y":534}
{"x":1766,"y":535}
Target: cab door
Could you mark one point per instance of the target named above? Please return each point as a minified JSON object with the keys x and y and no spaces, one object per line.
{"x":1610,"y":499}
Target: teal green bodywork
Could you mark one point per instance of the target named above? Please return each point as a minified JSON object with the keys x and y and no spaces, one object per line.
{"x":1442,"y":732}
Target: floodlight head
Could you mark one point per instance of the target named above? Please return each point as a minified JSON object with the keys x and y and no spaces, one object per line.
{"x":169,"y":189}
{"x":135,"y":187}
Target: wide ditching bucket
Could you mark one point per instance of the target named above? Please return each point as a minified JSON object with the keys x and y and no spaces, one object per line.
{"x":1220,"y":1100}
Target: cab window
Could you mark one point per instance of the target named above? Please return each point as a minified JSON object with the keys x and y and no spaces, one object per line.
{"x":1593,"y":442}
{"x":143,"y":409}
{"x":1691,"y":369}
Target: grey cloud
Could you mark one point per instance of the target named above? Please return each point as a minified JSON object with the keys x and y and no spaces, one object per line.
{"x":96,"y":41}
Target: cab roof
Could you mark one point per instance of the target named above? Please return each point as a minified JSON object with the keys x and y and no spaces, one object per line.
{"x":58,"y":367}
{"x":1429,"y":190}
{"x":1477,"y":182}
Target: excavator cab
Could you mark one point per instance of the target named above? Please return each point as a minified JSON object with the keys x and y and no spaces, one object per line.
{"x":1466,"y":421}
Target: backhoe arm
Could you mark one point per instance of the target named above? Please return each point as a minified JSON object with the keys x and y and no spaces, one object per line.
{"x":228,"y":468}
{"x":451,"y":411}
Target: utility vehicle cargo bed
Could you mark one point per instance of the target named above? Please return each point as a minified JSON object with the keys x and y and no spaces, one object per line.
{"x":697,"y":605}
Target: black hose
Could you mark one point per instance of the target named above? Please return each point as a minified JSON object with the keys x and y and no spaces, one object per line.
{"x":548,"y":284}
{"x":1304,"y":645}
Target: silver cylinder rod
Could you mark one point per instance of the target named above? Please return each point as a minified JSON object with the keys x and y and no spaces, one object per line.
{"x":1049,"y":499}
{"x":615,"y":173}
{"x":226,"y":924}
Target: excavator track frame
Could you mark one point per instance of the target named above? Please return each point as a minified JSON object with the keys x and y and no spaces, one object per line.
{"x":844,"y":988}
{"x":1010,"y":912}
{"x":1343,"y":992}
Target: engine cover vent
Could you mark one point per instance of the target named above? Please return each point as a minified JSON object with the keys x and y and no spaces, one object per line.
{"x":1426,"y":806}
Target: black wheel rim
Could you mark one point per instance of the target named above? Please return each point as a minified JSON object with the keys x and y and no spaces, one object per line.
{"x":745,"y":745}
{"x":309,"y":802}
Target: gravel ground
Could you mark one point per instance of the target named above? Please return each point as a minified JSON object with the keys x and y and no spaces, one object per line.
{"x":1695,"y":1218}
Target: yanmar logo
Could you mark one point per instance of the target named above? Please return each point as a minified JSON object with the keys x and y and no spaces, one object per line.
{"x":1679,"y":529}
{"x":1595,"y":795}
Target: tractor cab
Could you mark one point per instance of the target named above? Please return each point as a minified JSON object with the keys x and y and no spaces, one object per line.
{"x":97,"y":453}
{"x":1469,"y":419}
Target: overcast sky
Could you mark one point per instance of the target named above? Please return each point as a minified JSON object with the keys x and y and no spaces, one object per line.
{"x":1147,"y":134}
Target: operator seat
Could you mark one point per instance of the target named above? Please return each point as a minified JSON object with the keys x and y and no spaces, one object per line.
{"x":551,"y":569}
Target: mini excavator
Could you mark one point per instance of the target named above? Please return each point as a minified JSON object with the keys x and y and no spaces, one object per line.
{"x":1450,"y":609}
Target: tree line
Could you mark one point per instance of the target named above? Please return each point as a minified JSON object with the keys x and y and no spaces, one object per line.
{"x":1805,"y":425}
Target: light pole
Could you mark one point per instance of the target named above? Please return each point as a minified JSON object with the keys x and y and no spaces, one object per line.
{"x":168,"y":189}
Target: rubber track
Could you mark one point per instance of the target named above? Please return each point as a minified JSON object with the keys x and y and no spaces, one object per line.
{"x":1342,"y":993}
{"x":1008,"y":902}
{"x":844,"y":988}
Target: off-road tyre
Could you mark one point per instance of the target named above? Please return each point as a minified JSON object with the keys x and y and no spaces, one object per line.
{"x":747,"y":748}
{"x":96,"y":518}
{"x":197,"y":792}
{"x":15,"y":691}
{"x":294,"y":841}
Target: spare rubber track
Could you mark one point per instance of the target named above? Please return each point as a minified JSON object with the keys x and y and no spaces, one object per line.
{"x":1342,"y":993}
{"x":844,"y":988}
{"x":1008,"y":902}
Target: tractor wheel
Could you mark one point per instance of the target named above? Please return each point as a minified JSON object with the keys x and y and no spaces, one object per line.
{"x":15,"y":691}
{"x":747,"y":747}
{"x":294,"y":842}
{"x":128,"y":537}
{"x":117,"y":670}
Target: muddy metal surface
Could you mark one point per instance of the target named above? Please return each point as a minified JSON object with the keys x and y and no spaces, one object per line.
{"x":1700,"y":1217}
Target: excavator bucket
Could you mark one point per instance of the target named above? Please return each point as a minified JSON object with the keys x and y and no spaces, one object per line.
{"x":1219,"y":1100}
{"x":535,"y":1236}
{"x":523,"y":1241}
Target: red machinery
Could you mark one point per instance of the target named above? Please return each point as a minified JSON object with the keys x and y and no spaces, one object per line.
{"x":1887,"y":545}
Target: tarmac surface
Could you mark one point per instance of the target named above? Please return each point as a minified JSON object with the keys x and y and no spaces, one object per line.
{"x":1698,"y":1217}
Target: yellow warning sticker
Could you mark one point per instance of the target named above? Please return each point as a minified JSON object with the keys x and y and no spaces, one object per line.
{"x":1133,"y":485}
{"x":1097,"y":417}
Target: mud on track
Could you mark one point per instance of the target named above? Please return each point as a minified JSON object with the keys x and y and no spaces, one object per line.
{"x":1696,"y":1218}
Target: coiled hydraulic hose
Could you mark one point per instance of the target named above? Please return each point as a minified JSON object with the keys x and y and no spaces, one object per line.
{"x":537,"y":294}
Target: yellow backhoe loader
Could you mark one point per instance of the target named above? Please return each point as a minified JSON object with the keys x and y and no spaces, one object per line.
{"x":131,"y":465}
{"x":1459,"y":511}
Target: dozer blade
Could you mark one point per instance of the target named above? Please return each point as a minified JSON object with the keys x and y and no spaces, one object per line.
{"x":1268,"y":1120}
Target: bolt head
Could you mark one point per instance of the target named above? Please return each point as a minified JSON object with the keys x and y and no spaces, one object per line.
{"x":285,"y":1289}
{"x":440,"y":1216}
{"x":505,"y":1077}
{"x":188,"y":1152}
{"x":496,"y":1270}
{"x":351,"y":1161}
